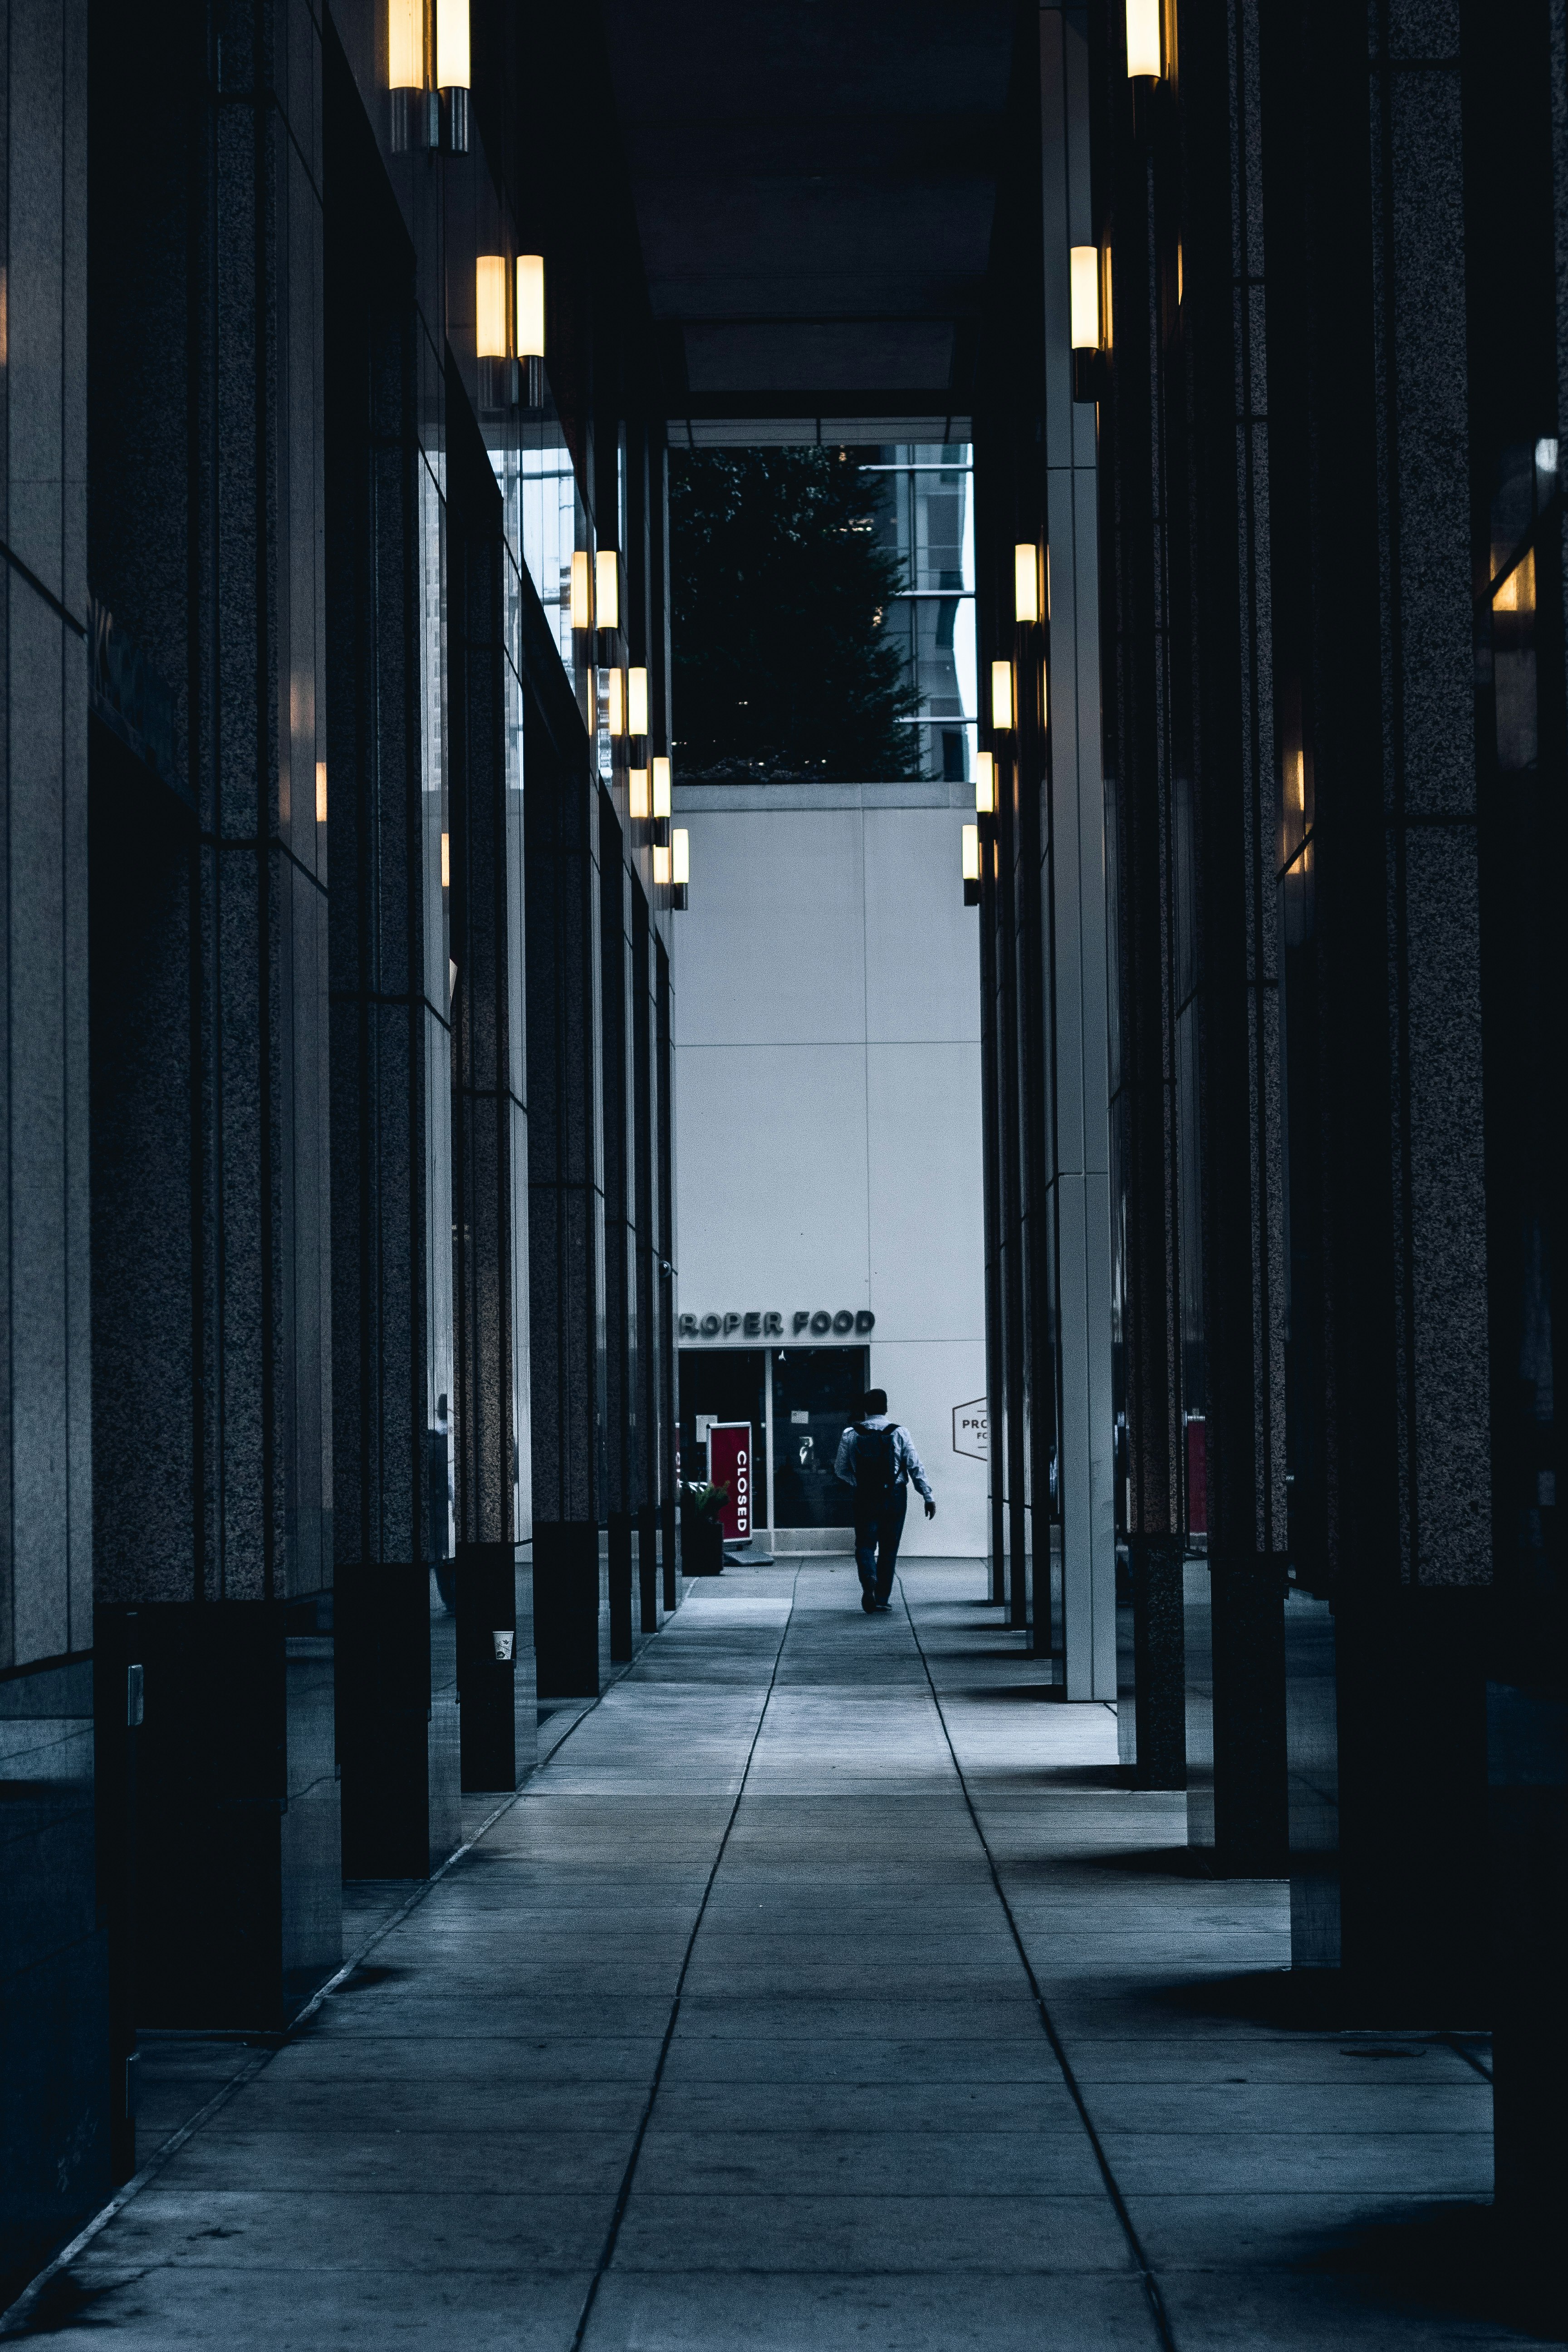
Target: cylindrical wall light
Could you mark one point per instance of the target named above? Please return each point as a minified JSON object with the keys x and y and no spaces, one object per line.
{"x":660,"y":788}
{"x":972,"y":852}
{"x":1025,"y":583}
{"x":607,"y":588}
{"x":1089,"y":305}
{"x":637,"y":702}
{"x":1144,"y":46}
{"x":411,"y":100}
{"x":679,"y":856}
{"x":1084,"y":261}
{"x":582,"y":591}
{"x":531,"y":327}
{"x":320,"y":791}
{"x":661,"y":863}
{"x":489,"y":306}
{"x":985,"y":786}
{"x":637,"y":795}
{"x":1002,"y":694}
{"x":616,"y":683}
{"x":452,"y":69}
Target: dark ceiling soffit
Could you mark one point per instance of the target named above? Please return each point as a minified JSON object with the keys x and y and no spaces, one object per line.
{"x":933,"y":400}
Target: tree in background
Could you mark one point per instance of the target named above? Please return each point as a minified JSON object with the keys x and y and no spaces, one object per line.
{"x":782,"y":667}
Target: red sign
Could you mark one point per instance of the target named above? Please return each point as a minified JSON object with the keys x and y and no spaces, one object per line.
{"x":729,"y":1464}
{"x":1197,"y":1475}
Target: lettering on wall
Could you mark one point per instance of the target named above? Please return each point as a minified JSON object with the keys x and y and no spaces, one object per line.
{"x":972,"y":1429}
{"x":755,"y":1323}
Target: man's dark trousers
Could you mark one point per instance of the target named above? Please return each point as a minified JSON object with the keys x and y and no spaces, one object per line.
{"x":876,"y":1544}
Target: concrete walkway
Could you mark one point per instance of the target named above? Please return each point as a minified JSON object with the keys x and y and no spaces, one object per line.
{"x":727,"y":2035}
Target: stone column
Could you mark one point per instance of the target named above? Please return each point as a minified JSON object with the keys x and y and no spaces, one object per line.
{"x":489,"y":1129}
{"x":1081,"y":1137}
{"x":211,"y":1307}
{"x":64,"y":2121}
{"x":566,"y":1207}
{"x":392,"y":1334}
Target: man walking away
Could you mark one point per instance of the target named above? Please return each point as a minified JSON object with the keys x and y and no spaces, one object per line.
{"x":876,"y":1458}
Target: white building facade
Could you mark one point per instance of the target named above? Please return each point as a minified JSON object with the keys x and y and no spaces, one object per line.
{"x":830,"y":1218}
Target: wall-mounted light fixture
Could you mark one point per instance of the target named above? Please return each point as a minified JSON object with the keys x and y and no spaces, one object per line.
{"x":489,"y":306}
{"x":320,"y":791}
{"x":972,"y":866}
{"x":415,"y":110}
{"x":493,"y":343}
{"x":1146,"y":61}
{"x":445,"y":861}
{"x":680,"y":856}
{"x":1025,"y":583}
{"x":660,"y":789}
{"x":531,"y":327}
{"x":582,"y":590}
{"x":452,"y":69}
{"x":660,"y":866}
{"x":985,"y":784}
{"x":1088,"y":304}
{"x":637,"y":805}
{"x":607,"y":588}
{"x":637,"y":702}
{"x":615,"y":682}
{"x":1001,"y":695}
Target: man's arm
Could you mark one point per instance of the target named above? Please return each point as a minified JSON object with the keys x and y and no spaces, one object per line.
{"x":844,"y":1464}
{"x":915,"y":1467}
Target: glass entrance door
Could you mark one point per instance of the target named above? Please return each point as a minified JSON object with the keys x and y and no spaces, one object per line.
{"x":817,"y":1395}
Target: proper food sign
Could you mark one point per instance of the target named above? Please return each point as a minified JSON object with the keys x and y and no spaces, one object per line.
{"x":729,"y":1464}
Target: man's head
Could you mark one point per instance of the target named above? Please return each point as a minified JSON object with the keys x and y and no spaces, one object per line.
{"x":874,"y":1402}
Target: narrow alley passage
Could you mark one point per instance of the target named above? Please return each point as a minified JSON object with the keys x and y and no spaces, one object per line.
{"x":723,"y":2035}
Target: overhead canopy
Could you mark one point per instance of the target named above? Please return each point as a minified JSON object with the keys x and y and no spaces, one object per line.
{"x":814,"y":182}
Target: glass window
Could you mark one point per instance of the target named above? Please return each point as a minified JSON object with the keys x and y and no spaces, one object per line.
{"x":928,"y":523}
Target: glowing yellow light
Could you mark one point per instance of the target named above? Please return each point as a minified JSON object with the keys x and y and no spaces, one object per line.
{"x":445,"y":861}
{"x":661,"y":863}
{"x":1517,"y":593}
{"x":1001,"y":694}
{"x":489,"y":306}
{"x":617,"y":686}
{"x":582,"y":591}
{"x":637,"y":793}
{"x":531,"y":306}
{"x":661,"y":788}
{"x":405,"y":45}
{"x":679,"y":856}
{"x":1048,"y":583}
{"x":452,"y":44}
{"x":986,"y":784}
{"x":1299,"y":782}
{"x":972,"y":852}
{"x":1143,"y":39}
{"x":1085,"y":292}
{"x":637,"y":702}
{"x":320,"y":791}
{"x":607,"y":588}
{"x":1178,"y":274}
{"x":1025,"y":584}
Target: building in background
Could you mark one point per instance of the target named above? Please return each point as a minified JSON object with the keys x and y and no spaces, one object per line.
{"x":829,"y":1201}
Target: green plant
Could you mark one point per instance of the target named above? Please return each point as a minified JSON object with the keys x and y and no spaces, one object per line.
{"x":705,"y":1498}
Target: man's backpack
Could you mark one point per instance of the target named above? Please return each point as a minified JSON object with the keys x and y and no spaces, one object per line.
{"x":876,"y":1465}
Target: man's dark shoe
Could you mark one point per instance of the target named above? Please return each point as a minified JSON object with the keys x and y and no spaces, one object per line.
{"x":867,"y":1603}
{"x":882,"y":1604}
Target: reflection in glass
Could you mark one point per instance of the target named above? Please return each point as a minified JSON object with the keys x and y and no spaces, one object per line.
{"x":927,"y":522}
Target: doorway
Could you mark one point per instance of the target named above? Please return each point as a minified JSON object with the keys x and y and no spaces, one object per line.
{"x":817,"y":1395}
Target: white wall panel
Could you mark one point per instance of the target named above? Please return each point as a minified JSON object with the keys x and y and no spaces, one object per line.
{"x":922,"y":943}
{"x":772,"y":946}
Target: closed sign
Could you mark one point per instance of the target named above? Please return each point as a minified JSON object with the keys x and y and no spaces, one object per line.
{"x":729,"y":1464}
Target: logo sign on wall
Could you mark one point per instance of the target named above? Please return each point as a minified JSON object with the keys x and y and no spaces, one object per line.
{"x":972,"y":1430}
{"x":729,"y":1464}
{"x":759,"y":1323}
